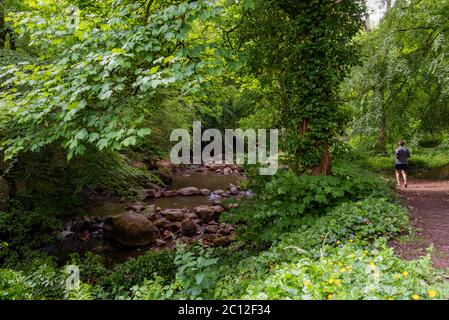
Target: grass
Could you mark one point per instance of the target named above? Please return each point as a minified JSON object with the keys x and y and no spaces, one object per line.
{"x":422,"y":159}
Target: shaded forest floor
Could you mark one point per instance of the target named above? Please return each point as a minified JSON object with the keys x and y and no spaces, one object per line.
{"x":428,"y":205}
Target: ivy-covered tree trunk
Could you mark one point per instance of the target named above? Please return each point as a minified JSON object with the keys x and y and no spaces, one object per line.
{"x":311,"y":42}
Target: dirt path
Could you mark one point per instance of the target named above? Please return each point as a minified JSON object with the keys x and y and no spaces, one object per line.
{"x":428,"y":204}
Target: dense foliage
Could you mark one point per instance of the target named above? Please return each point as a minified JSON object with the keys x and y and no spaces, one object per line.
{"x":400,"y":91}
{"x":90,"y":91}
{"x":282,"y":201}
{"x":304,"y":49}
{"x":331,"y":257}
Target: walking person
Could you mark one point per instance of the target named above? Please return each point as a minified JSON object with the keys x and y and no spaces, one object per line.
{"x":401,"y":159}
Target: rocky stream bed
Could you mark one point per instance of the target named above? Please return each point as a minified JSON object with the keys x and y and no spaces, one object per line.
{"x":186,"y":211}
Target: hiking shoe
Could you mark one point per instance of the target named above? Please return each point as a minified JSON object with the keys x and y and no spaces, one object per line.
{"x":405,"y":185}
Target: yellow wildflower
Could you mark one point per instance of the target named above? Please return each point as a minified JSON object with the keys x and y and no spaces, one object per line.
{"x":329,"y":296}
{"x":343,"y":270}
{"x":416,"y":297}
{"x":338,"y":241}
{"x":340,"y":264}
{"x":405,"y":274}
{"x":338,"y":282}
{"x":350,"y":240}
{"x":306,"y":283}
{"x":331,"y":280}
{"x":397,"y":276}
{"x":432,"y":293}
{"x":352,"y":256}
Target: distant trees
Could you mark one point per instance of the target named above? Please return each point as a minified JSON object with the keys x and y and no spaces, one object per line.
{"x":400,"y":91}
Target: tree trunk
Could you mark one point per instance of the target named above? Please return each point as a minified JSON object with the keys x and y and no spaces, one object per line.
{"x":325,"y":166}
{"x":367,"y":18}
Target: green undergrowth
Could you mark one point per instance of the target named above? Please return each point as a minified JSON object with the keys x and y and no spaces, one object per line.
{"x":341,"y":255}
{"x":286,"y":198}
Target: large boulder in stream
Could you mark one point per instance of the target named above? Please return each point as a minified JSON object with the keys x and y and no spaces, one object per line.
{"x":131,"y":229}
{"x":189,"y":191}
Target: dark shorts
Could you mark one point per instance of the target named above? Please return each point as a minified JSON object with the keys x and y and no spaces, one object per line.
{"x":401,"y":167}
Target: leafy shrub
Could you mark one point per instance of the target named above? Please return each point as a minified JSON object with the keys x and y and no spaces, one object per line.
{"x":351,"y":272}
{"x":40,"y":280}
{"x":83,"y":292}
{"x":196,"y":273}
{"x":153,"y":289}
{"x":429,"y":142}
{"x":365,"y":220}
{"x":360,"y":222}
{"x":14,"y":286}
{"x":22,"y":231}
{"x":196,"y":276}
{"x":112,"y":283}
{"x":286,"y":198}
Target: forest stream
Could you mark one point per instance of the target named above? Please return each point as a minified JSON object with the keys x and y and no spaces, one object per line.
{"x":188,"y":210}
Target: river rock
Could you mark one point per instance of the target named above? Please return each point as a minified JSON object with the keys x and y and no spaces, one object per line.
{"x":204,"y":212}
{"x":175,"y":227}
{"x":233,"y":191}
{"x":162,"y":223}
{"x":205,"y":192}
{"x":165,"y":171}
{"x":169,"y":193}
{"x":189,"y":191}
{"x":188,"y":228}
{"x":149,"y":211}
{"x":218,"y":192}
{"x":212,"y":228}
{"x":218,"y":209}
{"x":174,"y":214}
{"x":222,"y":241}
{"x":131,"y":229}
{"x":150,"y":193}
{"x":224,"y":231}
{"x":135,"y":207}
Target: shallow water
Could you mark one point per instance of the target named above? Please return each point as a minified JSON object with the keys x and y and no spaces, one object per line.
{"x":201,"y":181}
